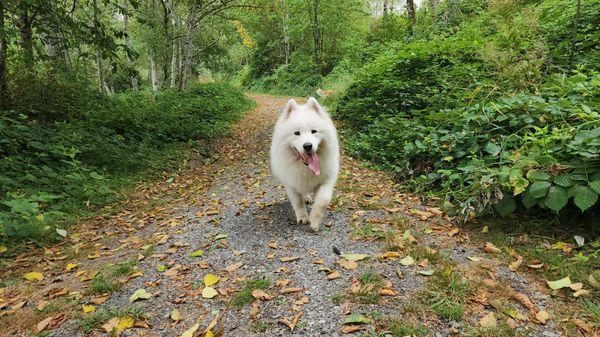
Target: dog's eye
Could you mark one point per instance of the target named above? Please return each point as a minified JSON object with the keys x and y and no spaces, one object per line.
{"x":313,"y":131}
{"x":297,"y":133}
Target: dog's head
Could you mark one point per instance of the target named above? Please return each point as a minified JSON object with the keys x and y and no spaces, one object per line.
{"x":305,"y":129}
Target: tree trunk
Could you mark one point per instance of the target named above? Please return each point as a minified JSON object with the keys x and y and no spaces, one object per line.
{"x":314,"y":19}
{"x":166,"y":15}
{"x":286,"y":37}
{"x":4,"y":100}
{"x":134,"y":80}
{"x":101,"y":82}
{"x":26,"y":33}
{"x":189,"y":45}
{"x":574,"y":33}
{"x":174,"y":66}
{"x":153,"y":73}
{"x":386,"y":7}
{"x":433,"y":5}
{"x":410,"y":10}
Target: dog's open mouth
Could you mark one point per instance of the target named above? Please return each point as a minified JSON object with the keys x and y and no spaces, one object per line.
{"x":311,"y":160}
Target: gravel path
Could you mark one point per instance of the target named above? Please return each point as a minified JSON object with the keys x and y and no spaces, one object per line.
{"x":230,"y":207}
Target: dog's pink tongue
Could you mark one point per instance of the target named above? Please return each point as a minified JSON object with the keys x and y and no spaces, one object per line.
{"x":313,"y":163}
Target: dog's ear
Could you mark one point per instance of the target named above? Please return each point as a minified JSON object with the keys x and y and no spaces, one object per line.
{"x":290,"y":107}
{"x":313,"y":104}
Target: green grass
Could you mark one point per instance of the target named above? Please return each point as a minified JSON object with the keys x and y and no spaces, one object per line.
{"x":102,"y":284}
{"x":62,"y":304}
{"x":592,"y":309}
{"x":502,"y":330}
{"x":259,"y":327}
{"x":124,"y":268}
{"x":95,"y":320}
{"x":368,"y":293}
{"x":447,"y":294}
{"x":402,"y":329}
{"x":337,"y":298}
{"x":245,"y":297}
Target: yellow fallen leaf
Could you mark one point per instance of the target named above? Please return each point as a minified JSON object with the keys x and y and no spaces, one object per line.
{"x":209,"y":292}
{"x":407,"y":261}
{"x":210,"y":279}
{"x":390,"y":255}
{"x":34,"y":276}
{"x":3,"y":249}
{"x":190,"y":332}
{"x":347,"y":264}
{"x":176,"y":315}
{"x":125,"y":322}
{"x":485,"y":229}
{"x":140,"y":294}
{"x":87,"y":308}
{"x":209,"y":334}
{"x":71,"y":266}
{"x":516,"y":264}
{"x":558,"y":284}
{"x":354,"y":257}
{"x":333,"y":275}
{"x":542,"y":316}
{"x":94,"y":256}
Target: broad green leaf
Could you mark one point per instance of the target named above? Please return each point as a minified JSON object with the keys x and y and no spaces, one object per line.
{"x":584,"y":197}
{"x":595,"y":185}
{"x":528,"y":200}
{"x":140,"y":294}
{"x":3,"y":249}
{"x":493,"y":148}
{"x":563,"y":180}
{"x":557,"y":198}
{"x":506,"y":205}
{"x":519,"y":185}
{"x":354,"y":257}
{"x":357,"y":319}
{"x":161,"y":268}
{"x":539,"y":189}
{"x":537,"y":175}
{"x":197,"y":253}
{"x":559,"y":284}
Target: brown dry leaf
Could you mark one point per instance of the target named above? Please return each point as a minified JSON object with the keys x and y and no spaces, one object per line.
{"x":542,"y":316}
{"x":347,"y":329}
{"x":283,"y":269}
{"x":282,"y":282}
{"x":347,"y":264}
{"x":111,"y":324}
{"x":390,"y":255}
{"x":99,"y":299}
{"x":318,"y":261}
{"x":271,"y":256}
{"x":524,"y":300}
{"x":491,"y":248}
{"x":333,"y":275}
{"x":582,"y":325}
{"x":488,"y":321}
{"x":40,"y":305}
{"x":453,"y":232}
{"x":291,"y":290}
{"x":424,"y":263}
{"x":43,"y":324}
{"x":582,"y":292}
{"x":289,"y":258}
{"x":255,"y":309}
{"x":387,"y":292}
{"x":234,"y":267}
{"x":535,"y":266}
{"x":490,"y":283}
{"x":261,"y":295}
{"x":302,"y":301}
{"x":273,"y":245}
{"x":593,"y":281}
{"x":576,"y":286}
{"x":516,"y":264}
{"x":294,"y":321}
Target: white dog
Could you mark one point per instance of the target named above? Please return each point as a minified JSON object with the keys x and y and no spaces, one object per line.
{"x":305,"y":157}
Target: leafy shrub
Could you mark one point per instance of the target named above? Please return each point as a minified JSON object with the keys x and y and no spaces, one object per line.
{"x":54,"y":165}
{"x":299,"y":77}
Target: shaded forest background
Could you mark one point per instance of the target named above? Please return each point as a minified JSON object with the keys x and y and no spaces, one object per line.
{"x":484,"y":107}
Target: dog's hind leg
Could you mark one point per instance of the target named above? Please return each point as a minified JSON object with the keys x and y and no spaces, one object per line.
{"x":297,"y":202}
{"x":322,"y":199}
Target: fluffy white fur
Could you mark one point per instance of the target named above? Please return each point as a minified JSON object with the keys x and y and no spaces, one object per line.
{"x":297,"y":126}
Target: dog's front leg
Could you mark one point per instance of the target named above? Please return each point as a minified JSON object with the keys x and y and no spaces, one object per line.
{"x":297,"y":202}
{"x":321,"y":200}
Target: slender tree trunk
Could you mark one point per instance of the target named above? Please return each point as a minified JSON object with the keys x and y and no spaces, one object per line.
{"x":134,"y":80}
{"x":4,"y":100}
{"x":166,"y":15}
{"x":180,"y":53}
{"x":433,"y":5}
{"x":410,"y":10}
{"x":314,"y":20}
{"x":174,"y":66}
{"x":26,"y":33}
{"x":153,"y":73}
{"x":286,"y":37}
{"x":189,"y":45}
{"x":386,"y":7}
{"x":101,"y":81}
{"x":574,"y":33}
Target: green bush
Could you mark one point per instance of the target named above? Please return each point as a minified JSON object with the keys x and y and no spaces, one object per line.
{"x":54,"y":165}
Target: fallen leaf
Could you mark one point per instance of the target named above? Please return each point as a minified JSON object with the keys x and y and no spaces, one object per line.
{"x":453,"y":232}
{"x":209,"y":292}
{"x":347,"y":264}
{"x":289,"y":258}
{"x":87,"y":308}
{"x":261,"y":295}
{"x":474,"y":258}
{"x":542,"y":316}
{"x":282,"y":282}
{"x":291,"y":290}
{"x":582,"y":292}
{"x":318,"y":261}
{"x":34,"y":276}
{"x":209,"y":334}
{"x":535,"y":266}
{"x":488,"y":321}
{"x":582,"y":325}
{"x":333,"y":275}
{"x":111,"y":324}
{"x":176,"y":315}
{"x":516,"y":264}
{"x":210,"y":280}
{"x":580,"y":240}
{"x":190,"y":332}
{"x":41,"y":326}
{"x":565,"y":247}
{"x":273,"y":245}
{"x":40,"y":305}
{"x":234,"y":267}
{"x":354,"y":257}
{"x":71,"y":266}
{"x":61,"y":232}
{"x":485,"y":229}
{"x":576,"y":286}
{"x":407,"y":261}
{"x":357,"y":319}
{"x":294,"y":321}
{"x":197,"y":253}
{"x":424,"y":263}
{"x":140,"y":294}
{"x":387,"y":292}
{"x":347,"y":329}
{"x":426,"y":272}
{"x":593,"y":281}
{"x":491,"y":248}
{"x":390,"y":255}
{"x":559,"y":284}
{"x":523,"y":300}
{"x":3,"y":249}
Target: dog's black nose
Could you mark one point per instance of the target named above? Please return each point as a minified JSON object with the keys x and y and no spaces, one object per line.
{"x":307,"y":147}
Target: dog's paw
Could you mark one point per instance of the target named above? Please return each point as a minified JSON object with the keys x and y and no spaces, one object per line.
{"x":302,"y":220}
{"x":315,"y":226}
{"x":308,"y":199}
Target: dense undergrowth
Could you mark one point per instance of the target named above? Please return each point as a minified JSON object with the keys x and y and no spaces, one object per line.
{"x":65,"y":151}
{"x":494,"y":108}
